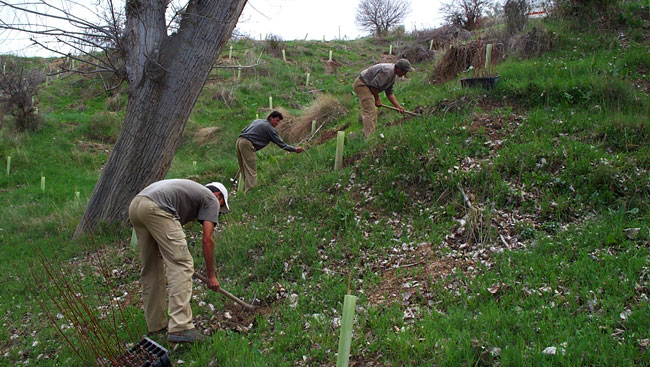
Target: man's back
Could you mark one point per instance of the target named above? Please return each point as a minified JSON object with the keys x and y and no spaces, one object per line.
{"x":185,"y":199}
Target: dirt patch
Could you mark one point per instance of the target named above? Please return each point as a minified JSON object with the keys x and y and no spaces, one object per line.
{"x":422,"y":266}
{"x":233,"y":317}
{"x":642,"y":85}
{"x":331,"y":66}
{"x":386,"y":58}
{"x":495,"y":128}
{"x":329,"y":134}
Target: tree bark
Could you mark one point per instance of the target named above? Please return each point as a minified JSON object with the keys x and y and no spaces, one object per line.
{"x":166,"y":75}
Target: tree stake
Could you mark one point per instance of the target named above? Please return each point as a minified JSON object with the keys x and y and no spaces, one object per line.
{"x":345,"y":340}
{"x":134,"y":239}
{"x":340,"y":141}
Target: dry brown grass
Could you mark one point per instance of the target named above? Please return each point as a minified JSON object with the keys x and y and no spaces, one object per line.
{"x":206,"y":135}
{"x":459,"y":58}
{"x":532,"y":43}
{"x":324,"y":110}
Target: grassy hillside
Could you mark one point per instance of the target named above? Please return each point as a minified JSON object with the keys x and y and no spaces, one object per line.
{"x":502,"y":227}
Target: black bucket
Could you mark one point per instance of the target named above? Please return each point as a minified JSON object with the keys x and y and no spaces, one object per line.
{"x":488,"y":82}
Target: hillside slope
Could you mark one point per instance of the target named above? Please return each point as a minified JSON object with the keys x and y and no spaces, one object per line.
{"x":502,"y":227}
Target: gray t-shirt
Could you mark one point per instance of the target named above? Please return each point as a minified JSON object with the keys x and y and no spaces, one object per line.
{"x":184,"y":199}
{"x":260,"y":132}
{"x":379,"y":76}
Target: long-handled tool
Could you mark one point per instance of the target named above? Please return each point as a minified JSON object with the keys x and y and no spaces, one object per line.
{"x":225,"y":292}
{"x":395,"y":109}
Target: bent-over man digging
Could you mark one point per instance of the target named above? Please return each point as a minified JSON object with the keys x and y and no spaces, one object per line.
{"x":158,"y":214}
{"x":373,"y":80}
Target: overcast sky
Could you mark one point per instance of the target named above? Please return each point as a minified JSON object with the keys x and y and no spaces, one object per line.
{"x":295,"y":19}
{"x":289,"y":19}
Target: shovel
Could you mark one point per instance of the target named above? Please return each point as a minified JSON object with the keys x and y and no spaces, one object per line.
{"x":395,"y":109}
{"x":225,"y":292}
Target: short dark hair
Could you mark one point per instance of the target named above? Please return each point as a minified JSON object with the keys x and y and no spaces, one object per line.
{"x":213,"y":189}
{"x":275,"y":114}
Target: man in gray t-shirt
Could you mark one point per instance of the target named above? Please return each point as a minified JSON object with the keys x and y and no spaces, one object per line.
{"x":158,"y":213}
{"x":372,"y":81}
{"x":254,"y":137}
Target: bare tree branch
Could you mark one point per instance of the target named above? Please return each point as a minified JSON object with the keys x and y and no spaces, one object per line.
{"x":379,"y":16}
{"x":464,"y":14}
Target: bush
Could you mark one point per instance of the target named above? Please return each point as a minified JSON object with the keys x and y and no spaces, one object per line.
{"x":586,"y":12}
{"x":103,"y":127}
{"x":18,"y":88}
{"x":515,"y":15}
{"x":273,"y":45}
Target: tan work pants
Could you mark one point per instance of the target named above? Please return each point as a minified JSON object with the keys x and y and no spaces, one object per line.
{"x":368,"y":109}
{"x":247,"y":162}
{"x":162,"y":246}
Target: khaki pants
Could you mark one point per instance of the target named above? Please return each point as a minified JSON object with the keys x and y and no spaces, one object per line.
{"x":247,"y":162}
{"x":162,"y":246}
{"x":368,"y":109}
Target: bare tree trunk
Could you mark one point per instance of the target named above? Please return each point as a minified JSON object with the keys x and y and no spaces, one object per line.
{"x":166,"y":75}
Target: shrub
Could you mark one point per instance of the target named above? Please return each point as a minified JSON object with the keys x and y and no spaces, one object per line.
{"x":442,"y":36}
{"x":515,"y":15}
{"x":586,"y":12}
{"x":18,"y":87}
{"x":273,"y":45}
{"x":103,"y":127}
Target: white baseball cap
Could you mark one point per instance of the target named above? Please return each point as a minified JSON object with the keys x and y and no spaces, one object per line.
{"x":219,"y":186}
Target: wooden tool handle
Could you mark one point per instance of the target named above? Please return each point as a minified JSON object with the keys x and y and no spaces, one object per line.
{"x":225,"y":292}
{"x":395,"y":109}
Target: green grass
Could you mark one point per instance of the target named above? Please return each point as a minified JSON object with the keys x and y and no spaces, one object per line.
{"x":555,"y":159}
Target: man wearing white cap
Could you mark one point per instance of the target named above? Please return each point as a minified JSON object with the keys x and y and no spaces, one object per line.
{"x":158,"y":213}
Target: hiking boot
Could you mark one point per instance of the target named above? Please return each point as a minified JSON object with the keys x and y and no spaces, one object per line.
{"x":186,"y":336}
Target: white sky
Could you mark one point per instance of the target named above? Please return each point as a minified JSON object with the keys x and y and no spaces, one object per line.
{"x":293,"y":19}
{"x":289,"y":19}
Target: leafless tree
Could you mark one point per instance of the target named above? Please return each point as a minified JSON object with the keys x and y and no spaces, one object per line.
{"x":165,"y":71}
{"x":379,"y":16}
{"x":465,"y":14}
{"x":17,"y":89}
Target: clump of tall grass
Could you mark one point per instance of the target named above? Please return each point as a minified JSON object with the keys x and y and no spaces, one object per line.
{"x":323,"y":110}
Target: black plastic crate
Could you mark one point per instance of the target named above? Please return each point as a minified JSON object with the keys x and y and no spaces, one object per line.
{"x":147,"y":353}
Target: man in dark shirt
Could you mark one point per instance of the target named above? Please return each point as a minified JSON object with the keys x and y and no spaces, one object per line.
{"x":254,"y":137}
{"x":158,"y":214}
{"x":373,"y":80}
